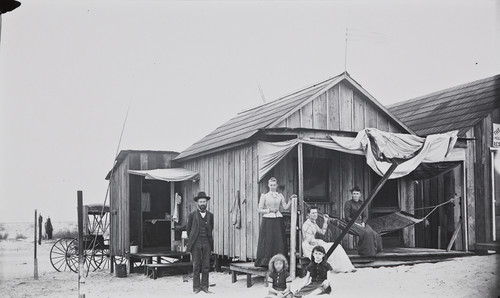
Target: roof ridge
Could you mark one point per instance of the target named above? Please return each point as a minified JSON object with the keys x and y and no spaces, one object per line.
{"x":293,"y":93}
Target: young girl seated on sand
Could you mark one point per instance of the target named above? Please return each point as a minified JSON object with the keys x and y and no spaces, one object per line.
{"x":316,"y":280}
{"x":278,"y":278}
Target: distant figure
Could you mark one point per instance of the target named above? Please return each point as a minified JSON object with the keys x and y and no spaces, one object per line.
{"x":48,"y":228}
{"x":272,"y":238}
{"x":200,"y":242}
{"x":369,"y":241}
{"x":40,"y":221}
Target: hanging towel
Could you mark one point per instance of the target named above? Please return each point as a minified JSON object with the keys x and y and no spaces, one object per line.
{"x":178,"y":200}
{"x":236,"y":212}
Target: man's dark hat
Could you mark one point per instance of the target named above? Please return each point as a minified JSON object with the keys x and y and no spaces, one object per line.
{"x":201,"y":195}
{"x":356,"y":188}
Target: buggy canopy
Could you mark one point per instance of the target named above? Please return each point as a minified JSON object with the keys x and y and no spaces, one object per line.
{"x":379,"y":147}
{"x":170,"y":175}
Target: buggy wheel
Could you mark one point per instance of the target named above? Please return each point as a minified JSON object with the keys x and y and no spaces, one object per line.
{"x":58,"y":254}
{"x":91,"y":260}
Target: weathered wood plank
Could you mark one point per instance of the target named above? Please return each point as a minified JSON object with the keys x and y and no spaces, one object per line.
{"x":319,"y":112}
{"x":382,"y":122}
{"x":244,"y":205}
{"x":371,"y":116}
{"x":256,"y":223}
{"x":471,"y":196}
{"x":358,"y":118}
{"x":333,"y":117}
{"x":345,"y":100}
{"x":307,"y":116}
{"x":249,"y":205}
{"x":237,"y":191}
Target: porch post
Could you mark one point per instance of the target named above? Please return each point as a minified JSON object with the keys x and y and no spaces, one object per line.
{"x":293,"y":236}
{"x":300,"y":161}
{"x":465,"y":216}
{"x":362,"y":208}
{"x":172,"y":207}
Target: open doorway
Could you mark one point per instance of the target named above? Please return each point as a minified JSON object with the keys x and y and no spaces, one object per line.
{"x":156,"y":214}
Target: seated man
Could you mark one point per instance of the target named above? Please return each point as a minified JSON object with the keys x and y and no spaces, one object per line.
{"x":339,"y":260}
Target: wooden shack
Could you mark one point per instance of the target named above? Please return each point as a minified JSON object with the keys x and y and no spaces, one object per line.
{"x":143,"y":185}
{"x":472,"y":109}
{"x":227,"y":161}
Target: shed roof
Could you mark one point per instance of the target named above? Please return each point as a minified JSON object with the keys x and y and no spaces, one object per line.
{"x":246,"y":124}
{"x":124,"y":153}
{"x":456,"y":108}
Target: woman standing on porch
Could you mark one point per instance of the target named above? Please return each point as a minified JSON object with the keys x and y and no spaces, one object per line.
{"x":272,"y":229}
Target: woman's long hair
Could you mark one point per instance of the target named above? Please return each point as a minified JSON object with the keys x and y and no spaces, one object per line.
{"x":277,"y":257}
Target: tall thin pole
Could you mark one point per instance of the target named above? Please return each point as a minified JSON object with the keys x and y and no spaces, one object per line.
{"x":345,"y":50}
{"x":35,"y":266}
{"x":293,"y":237}
{"x":81,"y":278}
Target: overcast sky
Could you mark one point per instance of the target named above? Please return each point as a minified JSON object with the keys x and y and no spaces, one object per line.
{"x":69,"y":70}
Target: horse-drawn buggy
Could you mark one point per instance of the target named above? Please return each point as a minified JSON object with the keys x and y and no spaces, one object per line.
{"x":65,"y":252}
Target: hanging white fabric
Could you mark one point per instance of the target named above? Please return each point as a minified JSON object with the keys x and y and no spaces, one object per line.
{"x":413,"y":149}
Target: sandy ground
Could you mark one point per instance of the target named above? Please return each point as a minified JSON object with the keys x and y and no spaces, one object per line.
{"x":475,"y":276}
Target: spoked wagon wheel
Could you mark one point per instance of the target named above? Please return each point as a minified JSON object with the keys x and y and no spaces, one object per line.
{"x":91,"y":260}
{"x":58,"y":254}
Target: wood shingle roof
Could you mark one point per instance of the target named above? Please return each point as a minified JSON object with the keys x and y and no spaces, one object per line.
{"x":456,"y":108}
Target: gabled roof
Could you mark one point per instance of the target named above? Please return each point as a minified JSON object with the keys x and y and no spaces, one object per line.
{"x":246,"y":124}
{"x":456,"y":108}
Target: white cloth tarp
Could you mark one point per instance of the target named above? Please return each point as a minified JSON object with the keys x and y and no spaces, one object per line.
{"x":170,"y":175}
{"x":376,"y":145}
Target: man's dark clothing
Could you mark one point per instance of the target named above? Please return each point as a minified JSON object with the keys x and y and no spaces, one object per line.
{"x":200,"y":245}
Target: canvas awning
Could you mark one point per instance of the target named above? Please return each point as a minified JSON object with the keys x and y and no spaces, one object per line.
{"x":378,"y":147}
{"x":170,"y":175}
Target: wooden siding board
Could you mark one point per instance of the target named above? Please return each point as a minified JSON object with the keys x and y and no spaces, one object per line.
{"x":307,"y":116}
{"x":471,"y":197}
{"x":358,"y":119}
{"x":255,"y":195}
{"x":250,"y":205}
{"x":244,"y":205}
{"x":345,"y":99}
{"x":333,"y":117}
{"x":382,"y":123}
{"x":236,"y":189}
{"x":320,"y":112}
{"x":371,"y":116}
{"x":226,"y":198}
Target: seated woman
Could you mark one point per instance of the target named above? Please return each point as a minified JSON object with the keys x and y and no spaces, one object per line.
{"x":339,"y":260}
{"x":369,"y":241}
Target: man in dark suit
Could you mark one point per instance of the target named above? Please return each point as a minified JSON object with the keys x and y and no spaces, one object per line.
{"x":199,"y":228}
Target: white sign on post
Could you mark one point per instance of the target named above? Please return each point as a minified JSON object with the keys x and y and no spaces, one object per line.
{"x":496,"y":135}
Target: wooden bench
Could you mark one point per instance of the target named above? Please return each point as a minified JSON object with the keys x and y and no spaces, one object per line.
{"x":154,"y":267}
{"x":249,"y":269}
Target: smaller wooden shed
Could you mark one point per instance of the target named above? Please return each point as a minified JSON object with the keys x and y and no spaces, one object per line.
{"x":143,"y":187}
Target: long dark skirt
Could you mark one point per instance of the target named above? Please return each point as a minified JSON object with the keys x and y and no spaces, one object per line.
{"x":271,"y":240}
{"x":369,"y":241}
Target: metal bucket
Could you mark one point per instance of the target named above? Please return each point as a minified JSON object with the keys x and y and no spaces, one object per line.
{"x":121,"y":270}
